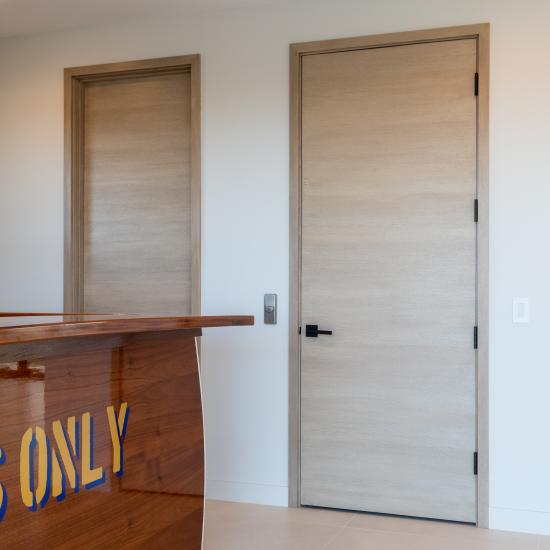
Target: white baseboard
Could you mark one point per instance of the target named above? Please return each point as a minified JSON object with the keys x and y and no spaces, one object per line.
{"x":255,"y":493}
{"x":524,"y":521}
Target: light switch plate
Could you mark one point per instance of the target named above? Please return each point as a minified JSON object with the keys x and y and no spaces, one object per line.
{"x":270,"y":309}
{"x":521,"y":312}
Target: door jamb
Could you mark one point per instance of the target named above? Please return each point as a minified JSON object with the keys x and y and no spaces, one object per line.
{"x":75,"y":80}
{"x":481,"y":33}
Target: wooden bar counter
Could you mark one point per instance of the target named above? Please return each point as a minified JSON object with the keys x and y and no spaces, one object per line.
{"x":101,"y":438}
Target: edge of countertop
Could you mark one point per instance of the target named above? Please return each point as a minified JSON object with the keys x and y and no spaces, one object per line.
{"x":24,"y":327}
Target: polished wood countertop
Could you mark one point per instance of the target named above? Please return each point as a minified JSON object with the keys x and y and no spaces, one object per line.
{"x":29,"y":327}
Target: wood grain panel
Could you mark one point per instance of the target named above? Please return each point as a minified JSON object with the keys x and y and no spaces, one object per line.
{"x":137,"y":195}
{"x":158,"y":501}
{"x":389,"y":263}
{"x":166,"y":463}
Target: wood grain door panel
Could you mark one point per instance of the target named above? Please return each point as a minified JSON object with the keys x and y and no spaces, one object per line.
{"x":137,"y":195}
{"x":388,"y":410}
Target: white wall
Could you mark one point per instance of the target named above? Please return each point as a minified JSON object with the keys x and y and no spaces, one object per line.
{"x":245,"y":193}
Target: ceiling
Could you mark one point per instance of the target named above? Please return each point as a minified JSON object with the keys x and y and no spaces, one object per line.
{"x":32,"y":16}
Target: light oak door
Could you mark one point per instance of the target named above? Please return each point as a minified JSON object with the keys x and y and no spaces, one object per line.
{"x":388,"y":263}
{"x":137,"y":255}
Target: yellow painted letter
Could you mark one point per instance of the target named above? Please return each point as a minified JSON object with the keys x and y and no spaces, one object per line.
{"x":117,"y":426}
{"x":32,"y":498}
{"x":64,"y":456}
{"x":90,"y":476}
{"x":25,"y":469}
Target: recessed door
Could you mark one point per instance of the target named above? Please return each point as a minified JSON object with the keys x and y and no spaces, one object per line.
{"x":388,"y":264}
{"x":135,"y":188}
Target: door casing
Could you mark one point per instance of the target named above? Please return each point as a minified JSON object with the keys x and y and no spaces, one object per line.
{"x":481,"y":33}
{"x":75,"y":79}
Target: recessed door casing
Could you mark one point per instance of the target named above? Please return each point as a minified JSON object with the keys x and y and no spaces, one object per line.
{"x":132,"y":187}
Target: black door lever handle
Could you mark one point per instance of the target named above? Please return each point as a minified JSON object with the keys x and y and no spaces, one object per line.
{"x":312,"y":331}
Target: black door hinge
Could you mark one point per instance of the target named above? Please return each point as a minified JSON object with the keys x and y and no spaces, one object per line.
{"x":476,"y":84}
{"x":475,"y":463}
{"x":476,"y":210}
{"x":475,"y":337}
{"x":299,"y":330}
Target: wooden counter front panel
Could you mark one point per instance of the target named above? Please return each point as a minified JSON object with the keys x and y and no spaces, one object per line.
{"x":158,"y":500}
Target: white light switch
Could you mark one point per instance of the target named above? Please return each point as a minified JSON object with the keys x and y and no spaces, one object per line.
{"x":521,"y":310}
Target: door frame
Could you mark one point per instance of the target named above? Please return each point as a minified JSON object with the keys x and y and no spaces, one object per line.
{"x":75,"y":80}
{"x":481,"y":33}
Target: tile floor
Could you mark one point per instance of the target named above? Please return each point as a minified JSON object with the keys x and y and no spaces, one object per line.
{"x":233,"y":526}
